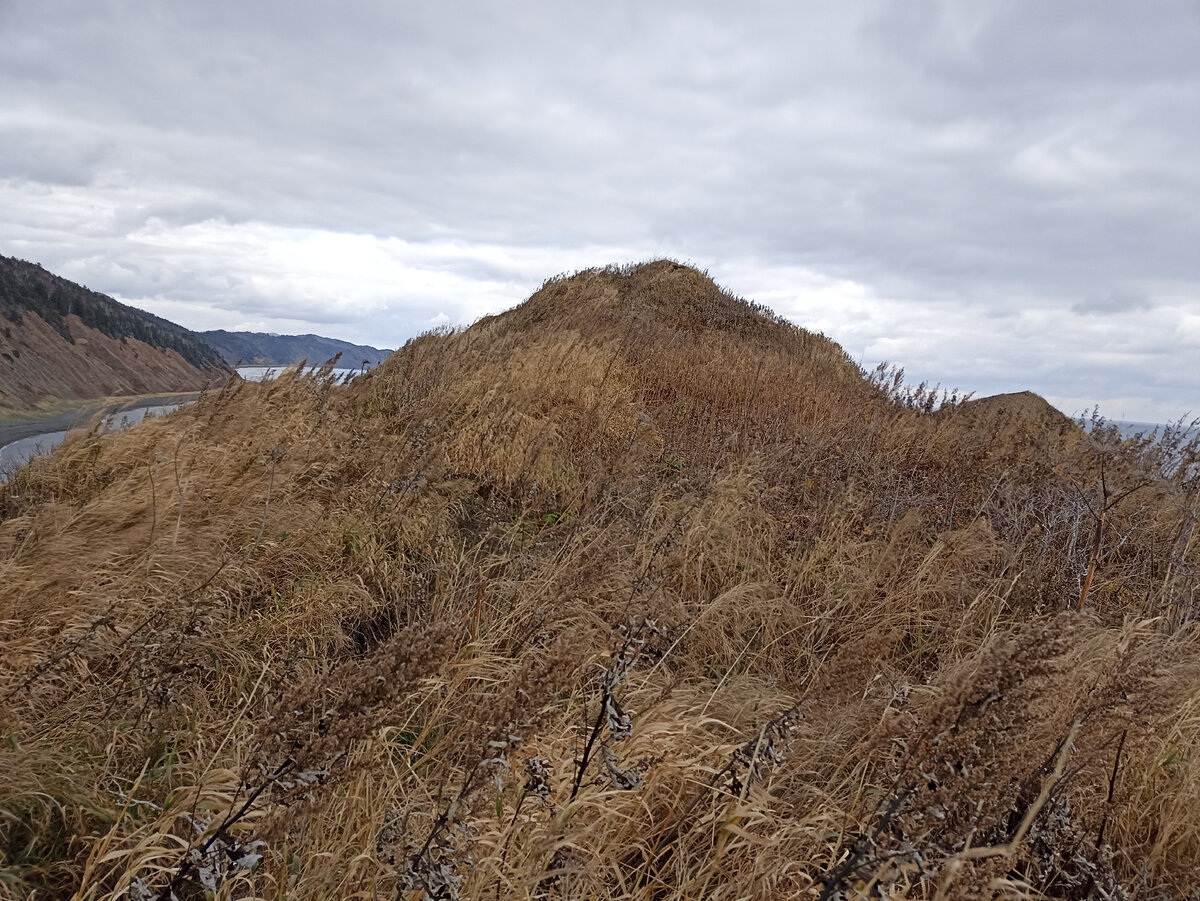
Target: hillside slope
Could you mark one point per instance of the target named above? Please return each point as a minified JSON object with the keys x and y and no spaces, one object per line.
{"x":1015,"y":420}
{"x":1024,"y":407}
{"x":261,"y":349}
{"x":60,"y":341}
{"x":634,"y":591}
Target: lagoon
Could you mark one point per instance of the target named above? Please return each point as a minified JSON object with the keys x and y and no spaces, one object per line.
{"x":17,"y":453}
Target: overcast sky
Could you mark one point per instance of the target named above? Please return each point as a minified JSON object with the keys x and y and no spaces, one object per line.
{"x":995,"y":195}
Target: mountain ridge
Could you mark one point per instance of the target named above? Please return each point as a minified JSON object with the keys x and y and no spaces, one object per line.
{"x":266,"y":349}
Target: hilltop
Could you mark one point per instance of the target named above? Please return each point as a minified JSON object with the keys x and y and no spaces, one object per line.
{"x":1023,"y":406}
{"x":634,"y":591}
{"x":1015,"y":420}
{"x":261,"y":349}
{"x":61,"y":341}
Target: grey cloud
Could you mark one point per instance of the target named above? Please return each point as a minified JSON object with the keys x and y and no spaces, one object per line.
{"x":42,"y":157}
{"x":1114,"y":301}
{"x":977,"y":160}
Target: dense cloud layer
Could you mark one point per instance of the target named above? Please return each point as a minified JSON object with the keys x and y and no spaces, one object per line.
{"x":998,"y":196}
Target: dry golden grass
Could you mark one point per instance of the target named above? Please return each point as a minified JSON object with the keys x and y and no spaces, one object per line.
{"x":634,"y":591}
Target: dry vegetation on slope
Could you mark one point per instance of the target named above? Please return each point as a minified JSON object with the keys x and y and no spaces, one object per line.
{"x":632,"y":592}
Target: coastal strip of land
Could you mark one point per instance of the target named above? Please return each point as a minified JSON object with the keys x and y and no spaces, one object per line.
{"x":17,"y":429}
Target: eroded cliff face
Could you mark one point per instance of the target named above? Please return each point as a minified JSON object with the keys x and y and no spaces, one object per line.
{"x":63,"y":342}
{"x":39,"y":366}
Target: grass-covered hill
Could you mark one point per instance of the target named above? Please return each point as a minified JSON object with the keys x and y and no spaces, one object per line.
{"x":634,"y":591}
{"x":61,"y":341}
{"x":261,"y":349}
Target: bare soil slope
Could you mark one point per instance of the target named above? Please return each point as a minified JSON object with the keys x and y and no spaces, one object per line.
{"x":37,"y":364}
{"x":61,"y":342}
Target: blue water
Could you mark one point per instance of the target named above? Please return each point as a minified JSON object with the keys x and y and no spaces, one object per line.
{"x":1129,"y":429}
{"x":266,"y":373}
{"x":18,"y":453}
{"x":21,"y":452}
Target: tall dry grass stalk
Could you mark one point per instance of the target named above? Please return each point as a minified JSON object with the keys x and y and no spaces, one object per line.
{"x":635,"y":591}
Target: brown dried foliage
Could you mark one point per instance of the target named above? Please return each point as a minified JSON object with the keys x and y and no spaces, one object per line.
{"x":313,"y":641}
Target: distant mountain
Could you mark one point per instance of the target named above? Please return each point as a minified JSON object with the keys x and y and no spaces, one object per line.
{"x":262,"y":349}
{"x":60,"y":340}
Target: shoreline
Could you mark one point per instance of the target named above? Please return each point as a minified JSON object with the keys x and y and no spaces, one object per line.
{"x":12,"y":430}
